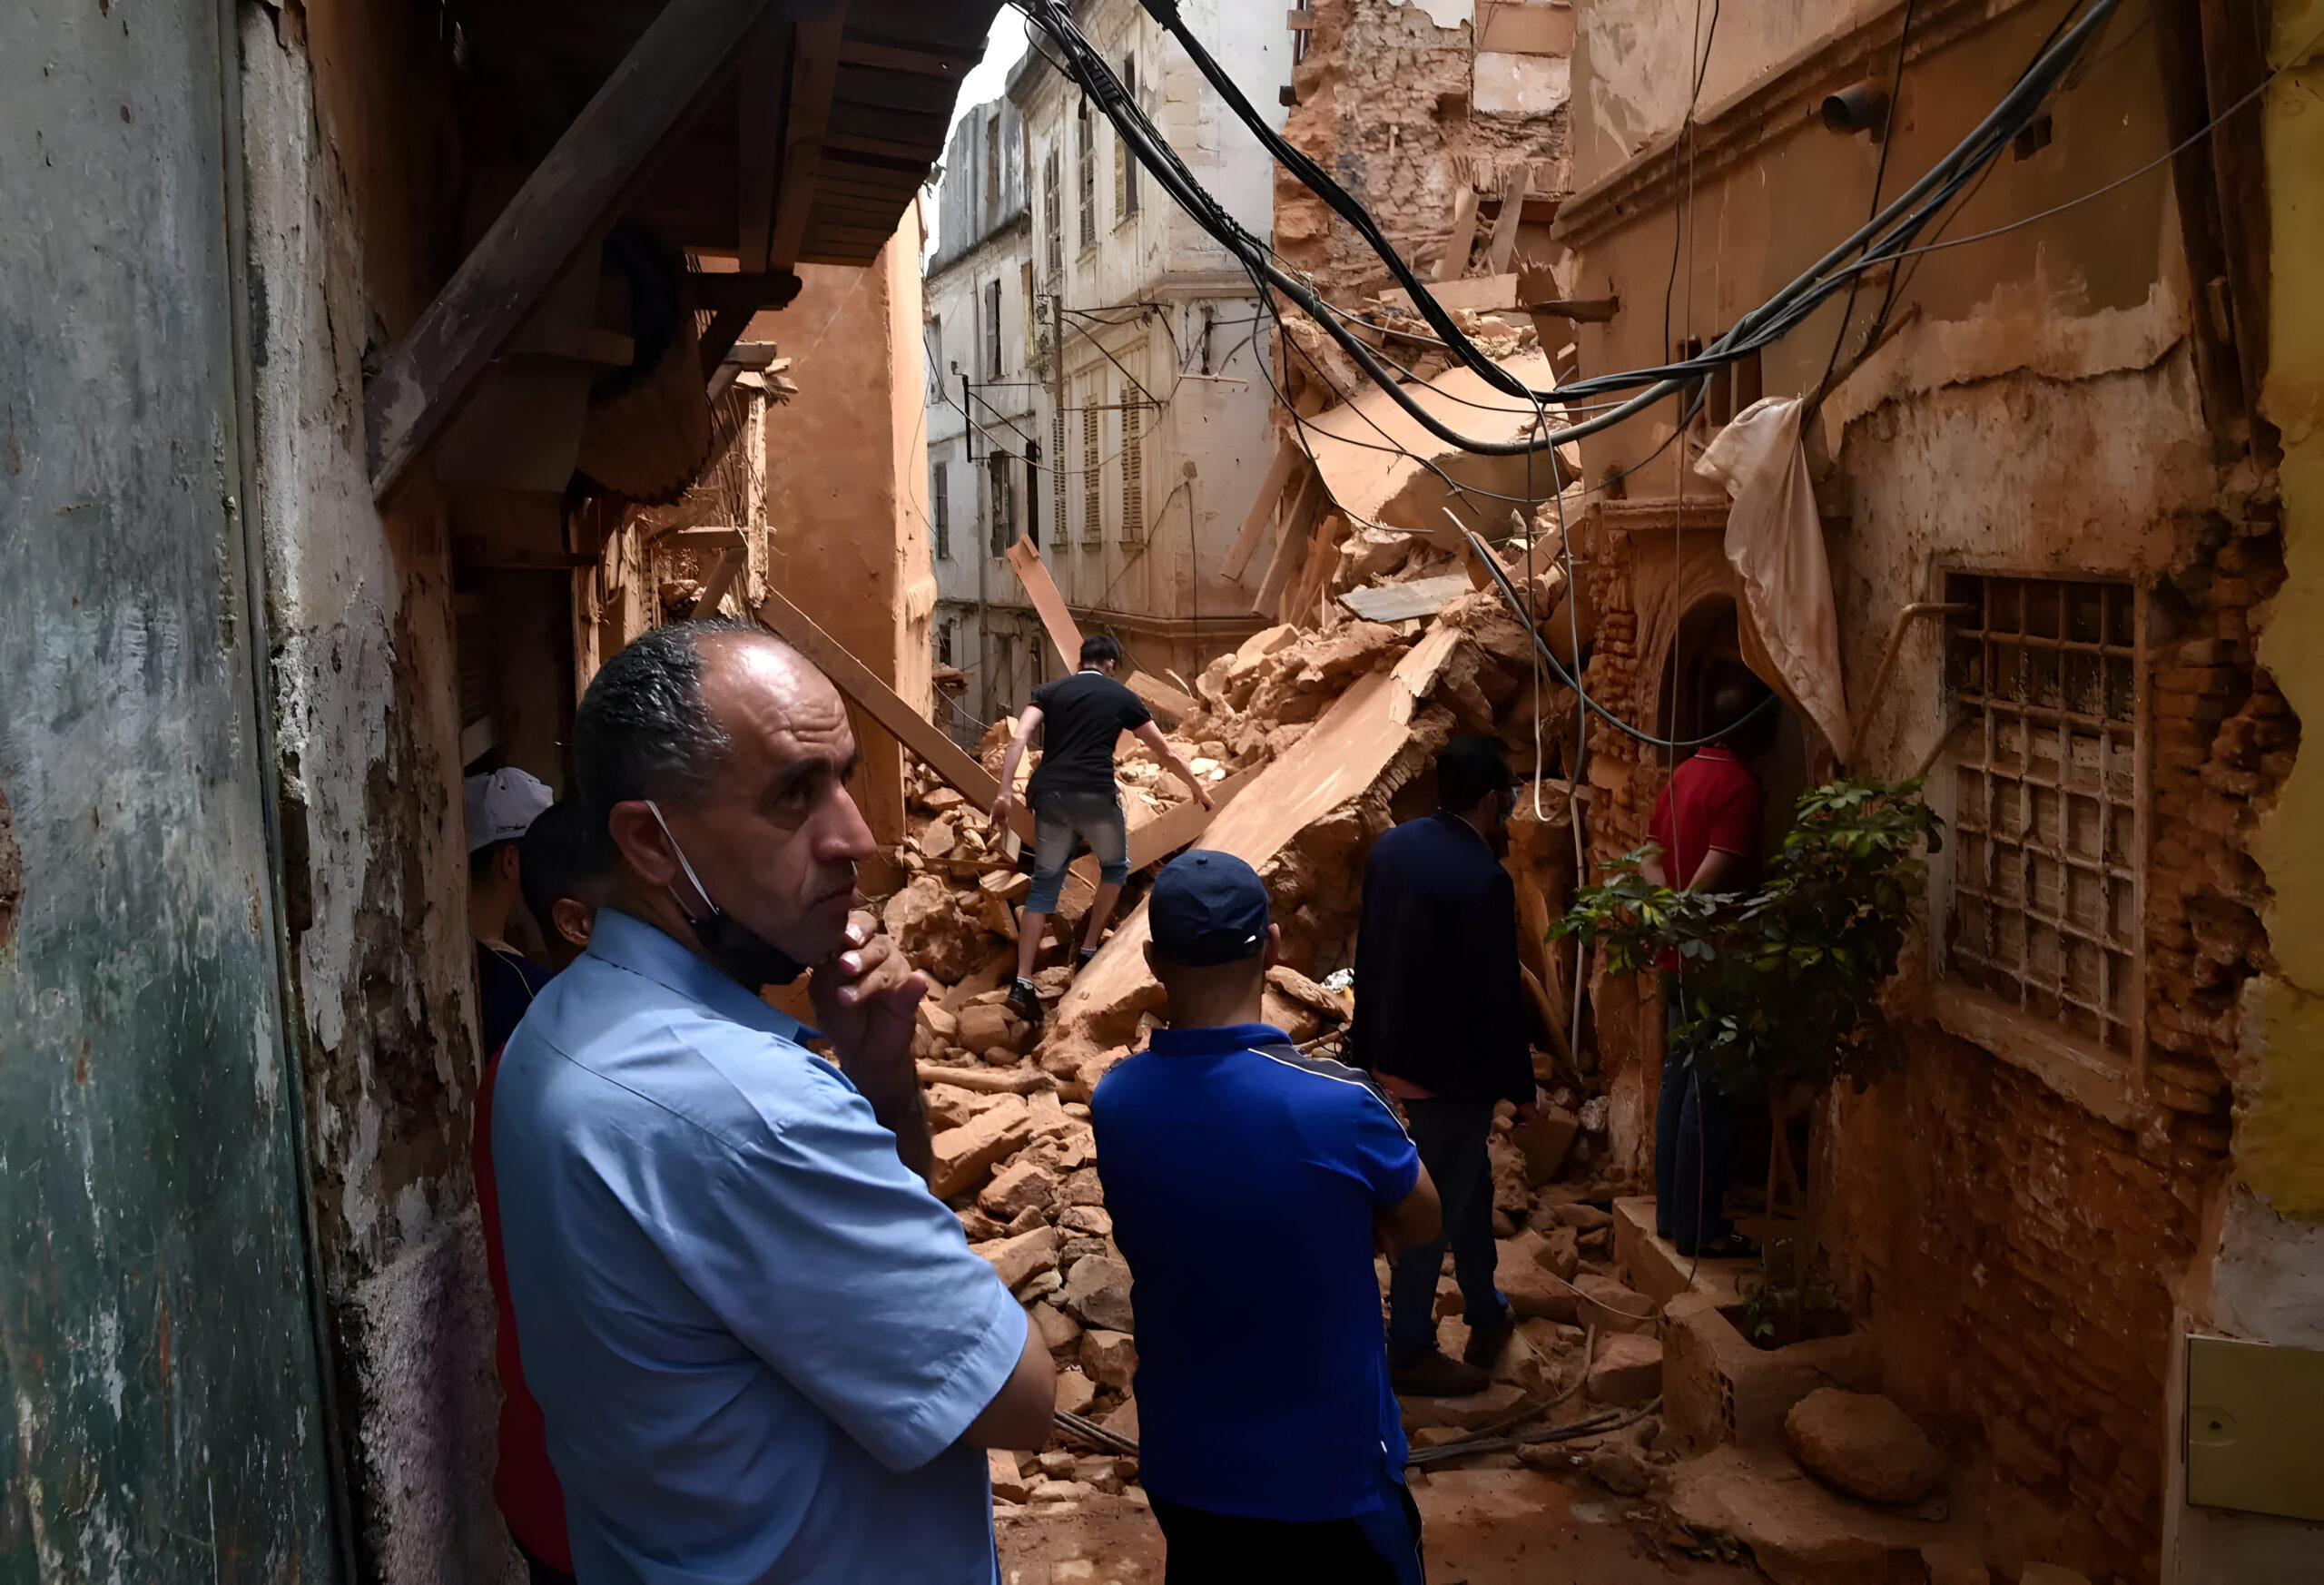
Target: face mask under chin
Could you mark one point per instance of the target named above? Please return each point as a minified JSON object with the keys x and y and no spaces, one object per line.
{"x":741,"y":952}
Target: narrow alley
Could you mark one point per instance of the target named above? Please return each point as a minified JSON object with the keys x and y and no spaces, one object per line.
{"x":1457,"y":791}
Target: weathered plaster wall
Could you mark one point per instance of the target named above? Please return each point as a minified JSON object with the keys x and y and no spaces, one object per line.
{"x":1393,"y":103}
{"x":158,"y":1359}
{"x":847,"y":485}
{"x":2022,"y":1236}
{"x":341,"y":111}
{"x":2267,"y":1271}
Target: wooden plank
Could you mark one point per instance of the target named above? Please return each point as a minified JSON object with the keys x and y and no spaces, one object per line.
{"x":851,"y":677}
{"x":1290,"y":549}
{"x":760,"y":293}
{"x":759,"y":99}
{"x":1455,"y":262}
{"x":1480,"y":294}
{"x":1288,"y":457}
{"x":1416,"y":674}
{"x":815,"y":72}
{"x":721,"y":579}
{"x":1403,"y":602}
{"x":1302,"y":602}
{"x":1046,"y":601}
{"x":1178,"y":826}
{"x":655,"y":92}
{"x":887,"y":57}
{"x":1504,"y":228}
{"x":1170,"y":706}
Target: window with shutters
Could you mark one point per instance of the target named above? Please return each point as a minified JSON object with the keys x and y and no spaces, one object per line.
{"x":993,"y":328}
{"x":1085,"y":173}
{"x":1093,"y":471}
{"x":992,"y":166}
{"x":940,"y":508}
{"x":1053,"y":215}
{"x":2044,"y":898}
{"x":1125,"y":162}
{"x":1057,"y":476}
{"x":945,"y":643}
{"x":1033,"y":493}
{"x":1002,"y":487}
{"x":1132,"y":448}
{"x":1032,"y":319}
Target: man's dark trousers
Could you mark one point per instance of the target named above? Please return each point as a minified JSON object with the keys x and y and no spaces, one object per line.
{"x":1450,"y":1135}
{"x":1381,"y":1548}
{"x":1694,"y":1137}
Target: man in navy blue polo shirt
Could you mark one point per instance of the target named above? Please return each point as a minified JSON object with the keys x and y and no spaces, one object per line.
{"x":1246,"y":1179}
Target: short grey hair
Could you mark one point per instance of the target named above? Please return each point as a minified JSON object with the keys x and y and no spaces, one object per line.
{"x":643,"y":730}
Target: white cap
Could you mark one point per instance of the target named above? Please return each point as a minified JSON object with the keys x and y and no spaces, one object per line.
{"x":504,"y":804}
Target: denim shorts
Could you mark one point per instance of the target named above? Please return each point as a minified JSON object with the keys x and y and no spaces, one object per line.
{"x":1058,"y":818}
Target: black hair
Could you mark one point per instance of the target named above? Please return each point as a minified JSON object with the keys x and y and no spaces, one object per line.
{"x":557,"y":857}
{"x":481,"y":861}
{"x":1467,"y":768}
{"x":1735,"y":694}
{"x":643,"y":729}
{"x":1101,"y":646}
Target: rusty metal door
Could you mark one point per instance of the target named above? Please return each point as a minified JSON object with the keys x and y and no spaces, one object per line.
{"x":161,"y":1399}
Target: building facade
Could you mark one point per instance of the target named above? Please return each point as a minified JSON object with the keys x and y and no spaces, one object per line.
{"x":1103,"y":363}
{"x":2057,"y":463}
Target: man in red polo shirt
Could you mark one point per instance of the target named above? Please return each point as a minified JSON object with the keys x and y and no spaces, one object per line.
{"x":1707,"y":823}
{"x":558,"y":873}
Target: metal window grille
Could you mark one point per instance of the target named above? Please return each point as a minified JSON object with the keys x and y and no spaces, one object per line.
{"x":1093,"y":477}
{"x":1052,"y":210}
{"x":2048,"y":885}
{"x":1004,"y":505}
{"x":939,"y":506}
{"x":1085,"y":162}
{"x":1132,"y":428}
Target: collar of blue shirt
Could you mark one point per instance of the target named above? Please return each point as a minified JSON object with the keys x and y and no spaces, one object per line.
{"x":1216,"y":1041}
{"x":626,"y":941}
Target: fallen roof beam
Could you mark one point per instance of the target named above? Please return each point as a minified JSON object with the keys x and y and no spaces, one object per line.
{"x":761,"y":98}
{"x":1047,"y":603}
{"x":923,"y":736}
{"x":582,"y":184}
{"x":1287,"y":456}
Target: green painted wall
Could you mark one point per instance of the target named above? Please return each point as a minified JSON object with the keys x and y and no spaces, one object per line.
{"x":159,"y":1399}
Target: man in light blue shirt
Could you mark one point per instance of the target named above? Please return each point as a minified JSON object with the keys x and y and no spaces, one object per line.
{"x":762,"y":1349}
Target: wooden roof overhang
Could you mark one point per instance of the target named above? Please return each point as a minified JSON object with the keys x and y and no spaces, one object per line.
{"x":774,"y":132}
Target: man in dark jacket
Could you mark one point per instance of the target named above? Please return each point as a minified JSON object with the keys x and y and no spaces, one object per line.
{"x":1441,"y":1021}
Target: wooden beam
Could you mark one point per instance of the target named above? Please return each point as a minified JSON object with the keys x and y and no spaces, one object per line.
{"x":761,"y":90}
{"x":759,"y":293}
{"x":1178,"y":826}
{"x":1047,"y":602}
{"x":923,"y":736}
{"x":1290,"y":551}
{"x":726,"y":327}
{"x":1455,"y":262}
{"x":1504,"y":226}
{"x":1287,"y":456}
{"x":721,"y":579}
{"x":815,"y":72}
{"x":922,"y":62}
{"x":572,"y":195}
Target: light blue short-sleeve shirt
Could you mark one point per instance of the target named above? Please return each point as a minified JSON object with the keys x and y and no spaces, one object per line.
{"x":755,"y":1334}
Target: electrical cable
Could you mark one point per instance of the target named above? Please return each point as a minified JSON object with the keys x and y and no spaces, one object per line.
{"x":1880,"y":240}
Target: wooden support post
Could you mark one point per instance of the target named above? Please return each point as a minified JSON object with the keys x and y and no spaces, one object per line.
{"x":761,"y":92}
{"x":576,"y":191}
{"x":851,"y":677}
{"x":721,"y":579}
{"x":1504,"y":225}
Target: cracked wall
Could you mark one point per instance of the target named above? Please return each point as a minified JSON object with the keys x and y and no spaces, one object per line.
{"x":344,"y":109}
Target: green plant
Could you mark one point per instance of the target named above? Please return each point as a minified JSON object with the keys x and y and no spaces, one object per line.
{"x":1758,"y":1313}
{"x":1781,"y":984}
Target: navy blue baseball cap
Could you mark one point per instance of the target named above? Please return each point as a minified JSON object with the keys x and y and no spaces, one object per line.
{"x":1207,"y":907}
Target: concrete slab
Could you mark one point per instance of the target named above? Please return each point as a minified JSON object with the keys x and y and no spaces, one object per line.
{"x":1799,"y":1531}
{"x":1656,"y":1267}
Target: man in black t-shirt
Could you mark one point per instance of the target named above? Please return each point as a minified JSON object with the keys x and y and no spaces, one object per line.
{"x":1072,"y":794}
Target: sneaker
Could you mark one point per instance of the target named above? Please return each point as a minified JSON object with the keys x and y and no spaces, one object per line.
{"x":1436,"y":1375}
{"x":1485,"y":1343}
{"x":1083,"y":961}
{"x":1026,"y":1002}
